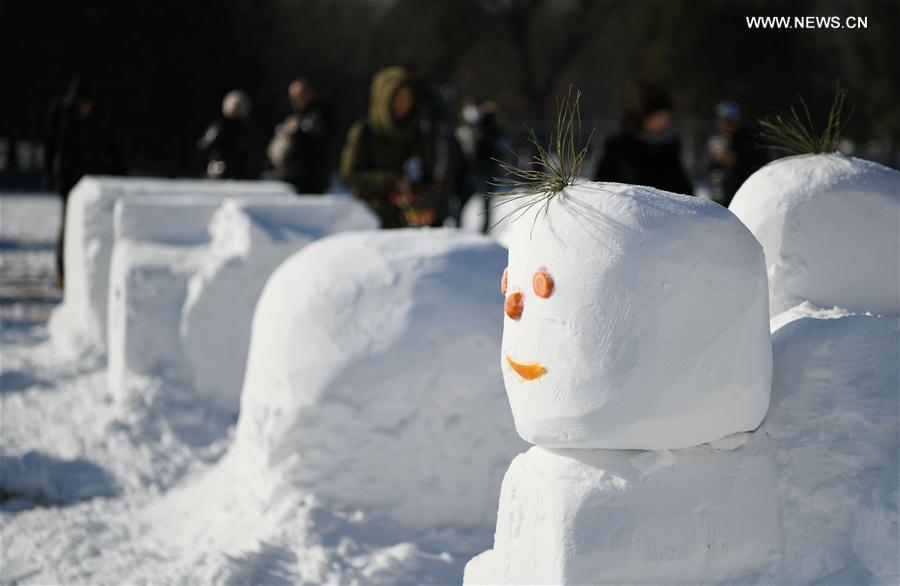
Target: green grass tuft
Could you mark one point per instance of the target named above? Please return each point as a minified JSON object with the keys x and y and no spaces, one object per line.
{"x":549,"y":171}
{"x":797,"y":135}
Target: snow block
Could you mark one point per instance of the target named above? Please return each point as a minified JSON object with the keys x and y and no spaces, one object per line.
{"x":635,"y":319}
{"x":81,"y":320}
{"x":372,"y":379}
{"x":148,"y":287}
{"x":828,"y":224}
{"x":165,"y":218}
{"x":186,"y":275}
{"x":697,"y":516}
{"x":248,"y":241}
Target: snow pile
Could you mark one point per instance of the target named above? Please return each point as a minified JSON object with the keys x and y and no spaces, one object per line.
{"x":185,"y":277}
{"x":372,"y":379}
{"x":654,"y":332}
{"x":811,"y":496}
{"x":828,"y":224}
{"x":80,"y":322}
{"x":824,"y":463}
{"x":832,"y":434}
{"x":202,"y":535}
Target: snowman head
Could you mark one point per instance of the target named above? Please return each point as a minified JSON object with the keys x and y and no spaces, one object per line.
{"x":634,"y":318}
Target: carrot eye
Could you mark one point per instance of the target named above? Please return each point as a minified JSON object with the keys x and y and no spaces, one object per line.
{"x":542,"y":283}
{"x":503,"y":280}
{"x":514,"y":305}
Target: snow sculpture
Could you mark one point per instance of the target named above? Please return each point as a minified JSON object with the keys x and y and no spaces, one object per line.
{"x":803,"y":500}
{"x":372,"y":379}
{"x":186,"y":275}
{"x":81,"y":320}
{"x":828,"y":225}
{"x":635,"y":319}
{"x":248,"y":241}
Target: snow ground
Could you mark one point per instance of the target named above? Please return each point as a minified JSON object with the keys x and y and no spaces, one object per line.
{"x":56,"y":416}
{"x":91,"y":494}
{"x":28,"y":227}
{"x":94,"y":495}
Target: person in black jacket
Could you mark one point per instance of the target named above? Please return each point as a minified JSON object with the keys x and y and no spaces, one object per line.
{"x":733,"y":155}
{"x":229,"y":143}
{"x":646,"y":151}
{"x":80,"y":138}
{"x":483,"y":143}
{"x":300,"y":151}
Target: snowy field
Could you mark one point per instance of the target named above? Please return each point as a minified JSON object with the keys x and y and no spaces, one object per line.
{"x":337,"y":473}
{"x":95,"y":494}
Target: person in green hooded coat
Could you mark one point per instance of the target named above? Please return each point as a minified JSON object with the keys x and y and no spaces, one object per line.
{"x":387,"y":158}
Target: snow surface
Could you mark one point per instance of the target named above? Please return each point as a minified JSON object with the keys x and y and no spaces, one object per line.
{"x":186,"y":273}
{"x":656,"y":333}
{"x":79,"y":325}
{"x":29,"y":223}
{"x":141,"y":496}
{"x":810,"y":497}
{"x":829,"y":227}
{"x":144,"y":501}
{"x":372,"y":378}
{"x":61,"y":438}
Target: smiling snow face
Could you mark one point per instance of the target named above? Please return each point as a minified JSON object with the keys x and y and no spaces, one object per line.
{"x":634,"y":319}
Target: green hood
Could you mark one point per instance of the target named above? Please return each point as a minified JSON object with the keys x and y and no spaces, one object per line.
{"x":385,"y":84}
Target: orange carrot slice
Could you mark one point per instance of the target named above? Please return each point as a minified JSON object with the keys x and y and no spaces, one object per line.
{"x":527,"y":371}
{"x":514,"y":305}
{"x":542,"y":283}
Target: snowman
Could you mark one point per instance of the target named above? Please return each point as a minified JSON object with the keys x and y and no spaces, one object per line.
{"x":827,"y":222}
{"x":828,"y":225}
{"x":635,"y":319}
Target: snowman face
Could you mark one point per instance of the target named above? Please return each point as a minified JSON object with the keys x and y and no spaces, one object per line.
{"x":542,"y":286}
{"x":563,"y":348}
{"x":624,"y":307}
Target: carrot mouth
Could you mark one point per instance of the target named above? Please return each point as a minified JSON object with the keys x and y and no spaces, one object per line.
{"x":530,"y":371}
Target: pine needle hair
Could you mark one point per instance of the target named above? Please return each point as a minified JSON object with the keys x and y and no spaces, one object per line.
{"x":550,"y":170}
{"x":795,"y":133}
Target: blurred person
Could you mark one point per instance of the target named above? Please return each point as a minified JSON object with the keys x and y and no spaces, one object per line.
{"x":732,"y":152}
{"x":646,"y":151}
{"x":449,"y":165}
{"x":229,"y":143}
{"x":387,"y":160}
{"x":81,"y":137}
{"x":300,"y":151}
{"x":484,"y":143}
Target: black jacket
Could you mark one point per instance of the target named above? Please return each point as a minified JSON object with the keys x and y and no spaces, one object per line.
{"x":747,"y":159}
{"x":303,"y":158}
{"x":628,"y":158}
{"x":230,"y":147}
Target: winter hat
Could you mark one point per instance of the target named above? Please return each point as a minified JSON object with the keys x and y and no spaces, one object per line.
{"x":728,"y":110}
